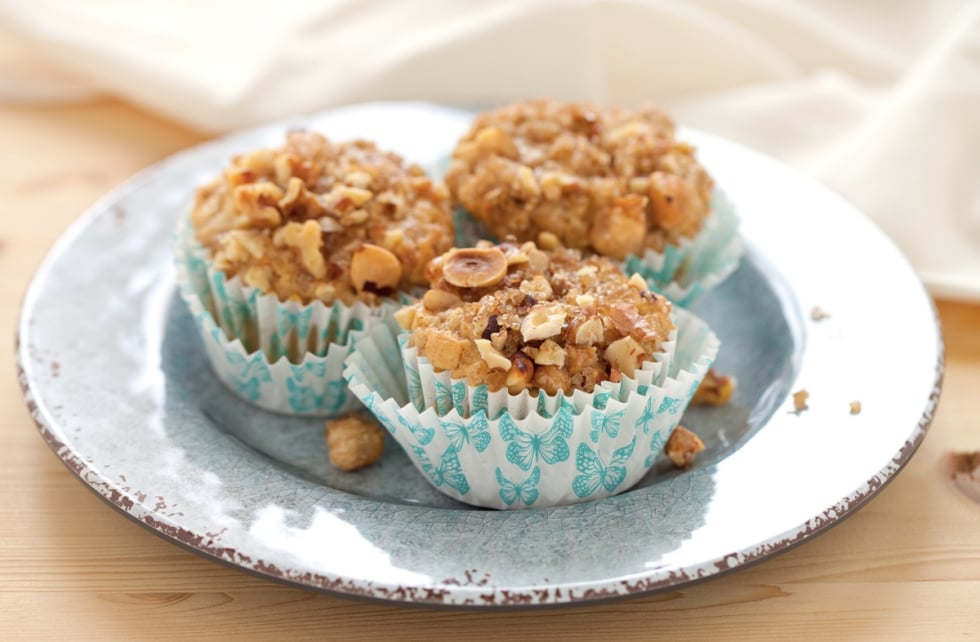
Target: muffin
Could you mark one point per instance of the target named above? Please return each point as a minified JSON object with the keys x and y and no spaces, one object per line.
{"x":535,"y":370}
{"x":291,"y":248}
{"x":615,"y":182}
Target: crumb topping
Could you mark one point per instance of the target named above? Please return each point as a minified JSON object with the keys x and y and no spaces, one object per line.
{"x":318,"y":220}
{"x":613,"y":181}
{"x":517,"y":317}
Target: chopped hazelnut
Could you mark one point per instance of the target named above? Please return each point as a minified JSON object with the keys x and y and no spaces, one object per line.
{"x":542,"y":322}
{"x":492,"y":356}
{"x":475,"y":267}
{"x":374,"y":268}
{"x":353,"y":442}
{"x":625,"y":354}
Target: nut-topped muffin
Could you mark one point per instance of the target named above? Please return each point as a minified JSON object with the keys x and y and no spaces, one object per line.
{"x":532,"y":378}
{"x":607,"y":180}
{"x":517,"y":317}
{"x":289,"y":249}
{"x":316,"y":220}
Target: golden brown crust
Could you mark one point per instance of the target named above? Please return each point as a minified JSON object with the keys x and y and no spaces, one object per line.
{"x":613,"y":181}
{"x":289,"y":221}
{"x":550,"y":321}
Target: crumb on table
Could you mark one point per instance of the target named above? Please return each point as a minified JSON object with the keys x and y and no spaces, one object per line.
{"x":683,"y":446}
{"x":354,"y":441}
{"x":819,"y":314}
{"x":800,"y":398}
{"x":715,"y":390}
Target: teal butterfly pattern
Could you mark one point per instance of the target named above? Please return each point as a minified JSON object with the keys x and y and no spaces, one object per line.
{"x":525,"y":448}
{"x":248,"y":373}
{"x":473,"y":431}
{"x":596,"y":473}
{"x":298,"y":320}
{"x":480,"y":400}
{"x":414,"y":381}
{"x":316,"y":368}
{"x":608,"y":423}
{"x":449,"y":396}
{"x":647,"y":417}
{"x":336,"y":395}
{"x":657,"y":444}
{"x":448,"y":473}
{"x":525,"y":491}
{"x":303,"y":398}
{"x":601,"y":399}
{"x":670,"y":405}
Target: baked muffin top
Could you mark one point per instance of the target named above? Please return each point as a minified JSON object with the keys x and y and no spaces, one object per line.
{"x":517,"y":317}
{"x":318,"y":220}
{"x":612,"y":181}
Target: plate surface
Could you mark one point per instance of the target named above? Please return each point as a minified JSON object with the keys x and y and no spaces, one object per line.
{"x":113,"y":372}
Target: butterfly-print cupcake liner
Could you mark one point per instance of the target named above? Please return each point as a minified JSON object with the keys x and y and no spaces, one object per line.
{"x":681,"y":272}
{"x":280,"y":356}
{"x":497,"y":450}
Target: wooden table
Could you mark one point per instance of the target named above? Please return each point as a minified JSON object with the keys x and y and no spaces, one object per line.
{"x":907,"y":566}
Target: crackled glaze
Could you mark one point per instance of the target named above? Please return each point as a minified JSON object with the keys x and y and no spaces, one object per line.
{"x":115,"y":377}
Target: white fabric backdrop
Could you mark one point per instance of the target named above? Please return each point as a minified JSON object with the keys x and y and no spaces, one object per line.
{"x":878,"y":100}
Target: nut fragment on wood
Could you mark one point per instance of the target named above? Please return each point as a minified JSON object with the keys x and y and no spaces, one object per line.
{"x":818,"y":314}
{"x":715,"y":390}
{"x":683,"y":446}
{"x":354,"y":441}
{"x":800,"y":398}
{"x":964,"y":470}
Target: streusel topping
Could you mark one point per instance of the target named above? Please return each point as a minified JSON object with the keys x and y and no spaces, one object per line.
{"x":318,"y":220}
{"x":517,"y":317}
{"x":612,"y":181}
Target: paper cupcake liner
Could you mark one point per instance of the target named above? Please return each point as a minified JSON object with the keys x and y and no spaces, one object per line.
{"x":684,"y":272}
{"x":516,"y":451}
{"x":280,"y":356}
{"x":681,"y":272}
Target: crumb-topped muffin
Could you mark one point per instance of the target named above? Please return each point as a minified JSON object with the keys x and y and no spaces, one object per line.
{"x":316,"y":220}
{"x":517,"y":317}
{"x":612,"y":181}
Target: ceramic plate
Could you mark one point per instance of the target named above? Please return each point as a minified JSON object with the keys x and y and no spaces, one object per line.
{"x":113,"y":372}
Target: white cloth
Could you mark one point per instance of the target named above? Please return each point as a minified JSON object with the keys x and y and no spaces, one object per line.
{"x":878,"y":100}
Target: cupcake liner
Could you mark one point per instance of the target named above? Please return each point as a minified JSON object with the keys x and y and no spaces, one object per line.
{"x":517,"y":451}
{"x":684,"y":272}
{"x":281,"y":356}
{"x":681,"y":272}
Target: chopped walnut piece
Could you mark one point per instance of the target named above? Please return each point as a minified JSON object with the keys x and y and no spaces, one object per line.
{"x":683,"y":446}
{"x":715,"y":389}
{"x":855,"y":407}
{"x":354,"y":441}
{"x":800,"y":398}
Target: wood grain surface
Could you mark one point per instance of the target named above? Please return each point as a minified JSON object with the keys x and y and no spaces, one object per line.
{"x":906,"y":566}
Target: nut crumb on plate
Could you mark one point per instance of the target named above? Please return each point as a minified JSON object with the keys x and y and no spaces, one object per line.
{"x":683,"y":446}
{"x":715,"y":390}
{"x":855,"y":407}
{"x":354,"y":441}
{"x":800,"y":398}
